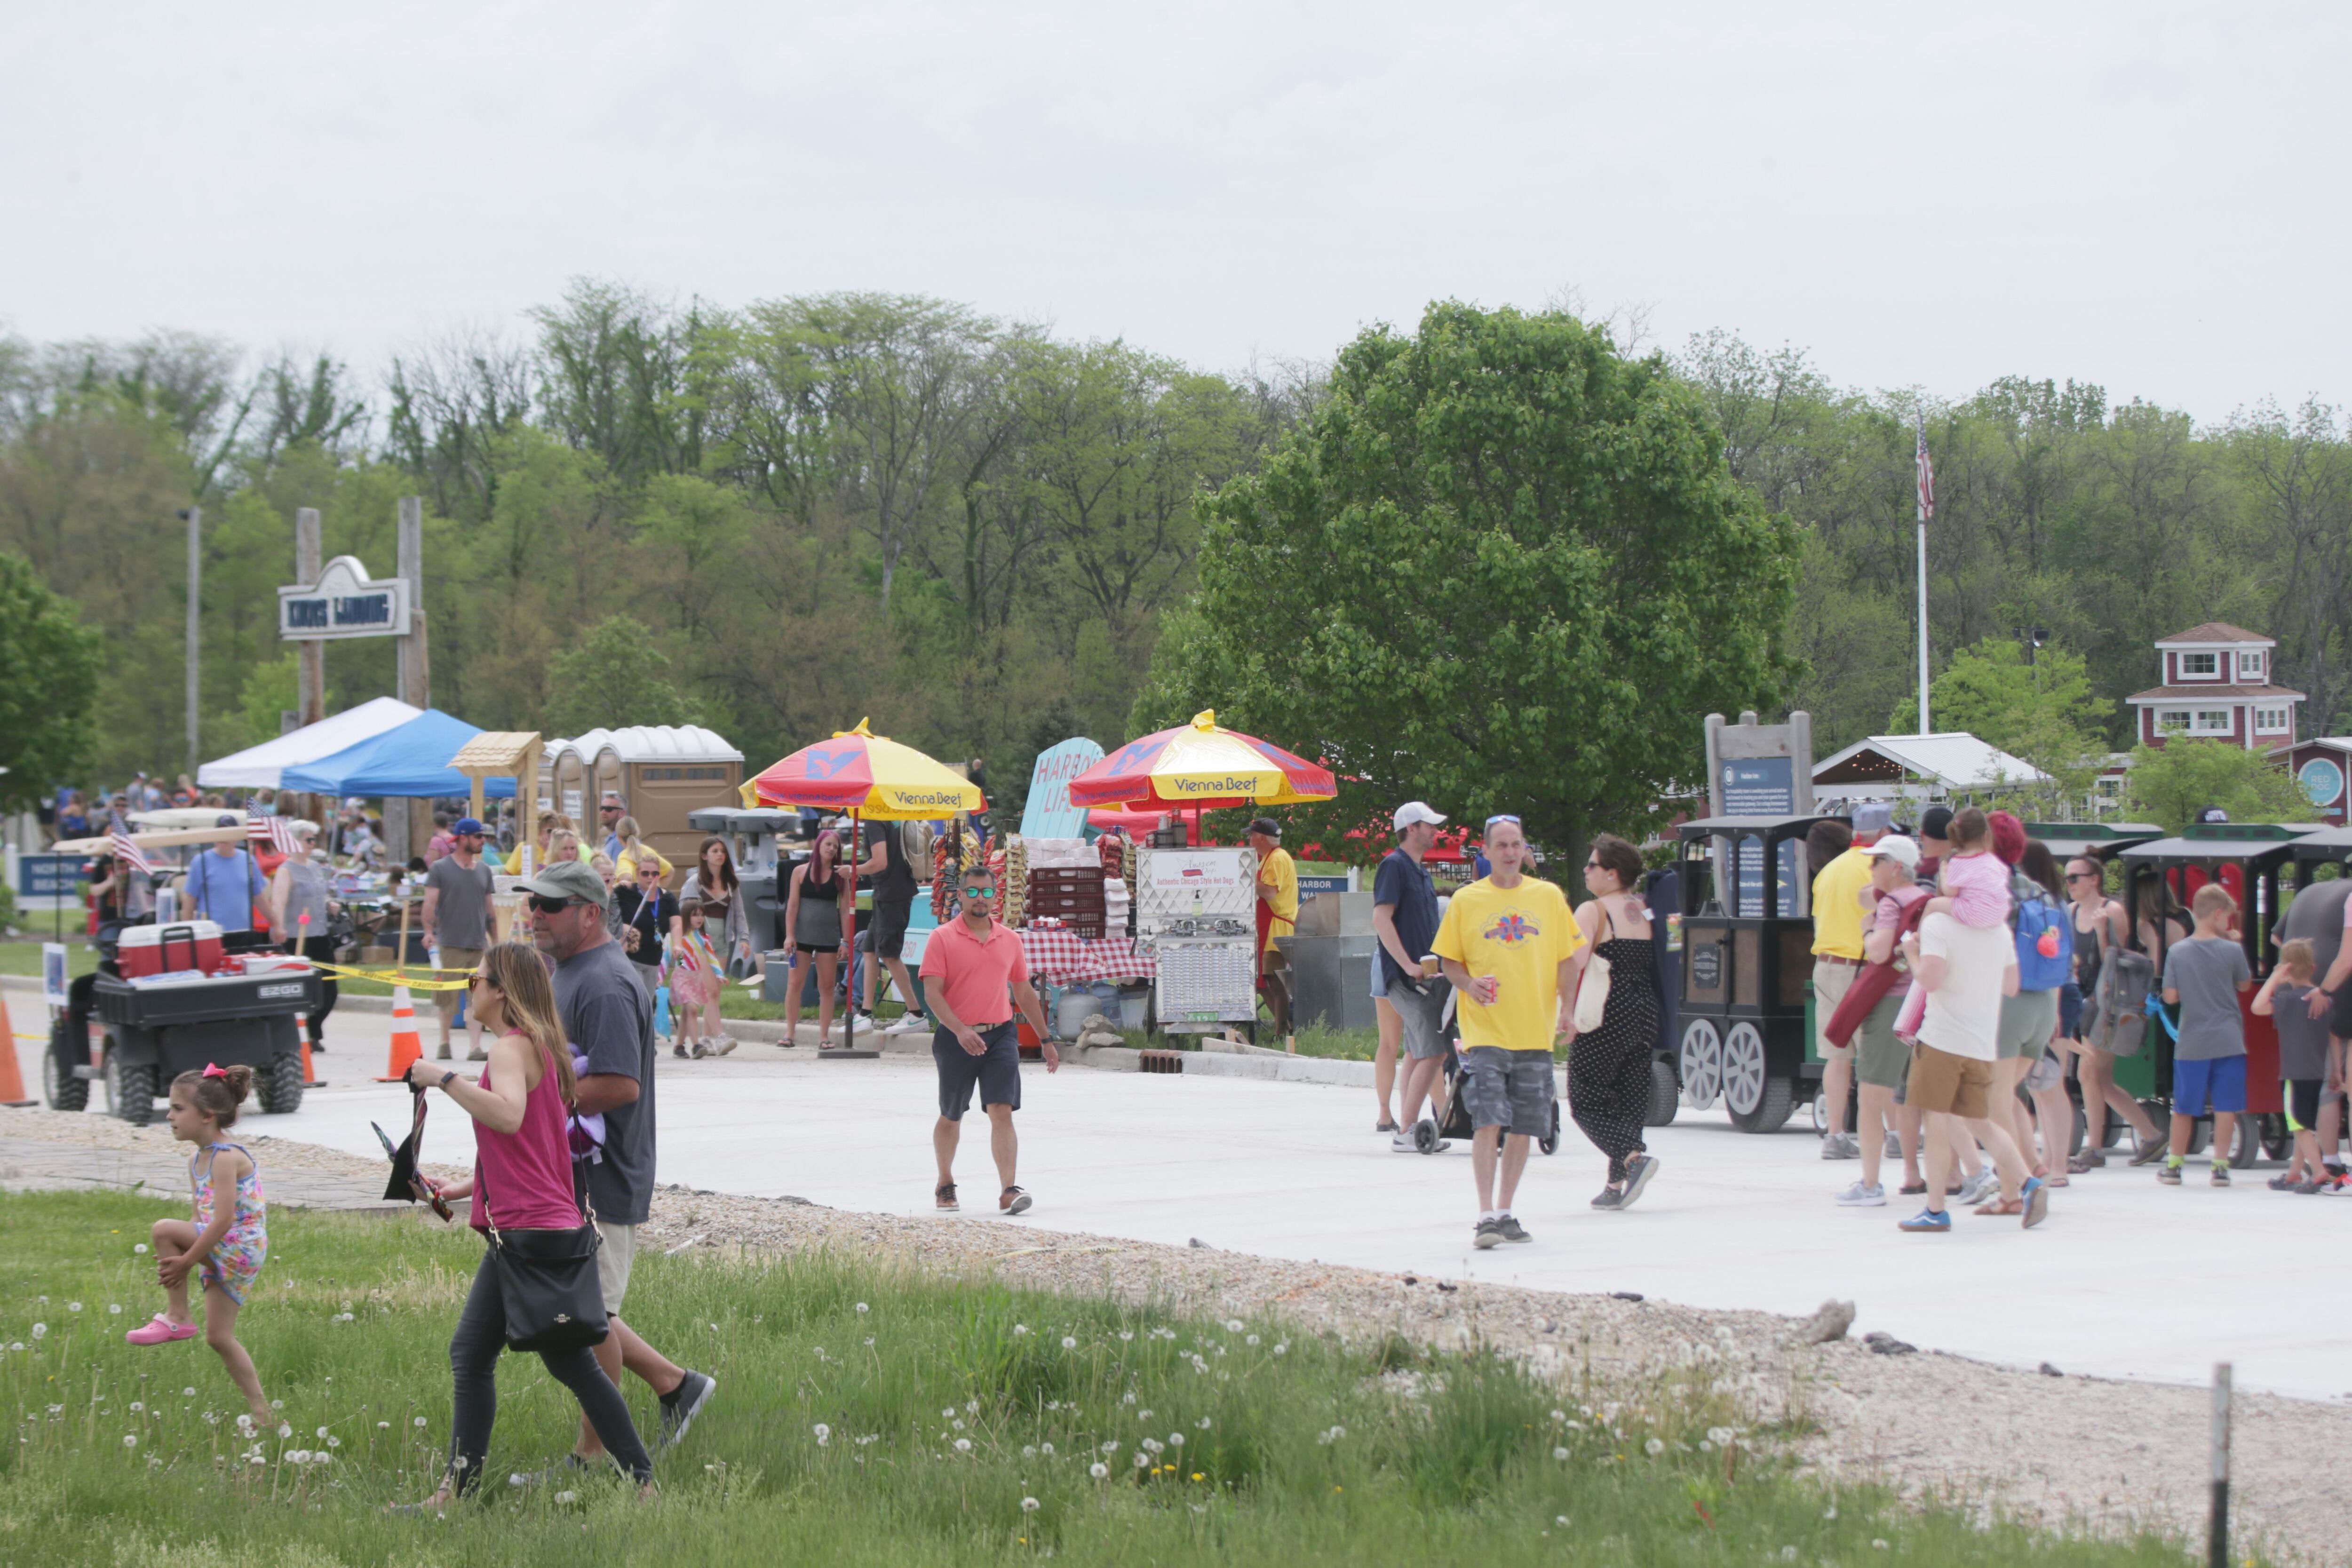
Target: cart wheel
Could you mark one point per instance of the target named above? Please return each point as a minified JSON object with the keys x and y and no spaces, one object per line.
{"x":2246,"y":1144}
{"x":65,"y":1091}
{"x":280,"y":1089}
{"x":1759,"y":1101}
{"x":2278,"y":1142}
{"x":1424,"y":1135}
{"x":1701,"y":1071}
{"x":1549,"y":1141}
{"x":130,"y":1090}
{"x":1665,"y":1094}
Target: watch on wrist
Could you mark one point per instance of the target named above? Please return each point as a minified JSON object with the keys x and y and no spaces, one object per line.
{"x":447,"y":1079}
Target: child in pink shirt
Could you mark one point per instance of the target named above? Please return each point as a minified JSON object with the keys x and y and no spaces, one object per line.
{"x":1972,"y":887}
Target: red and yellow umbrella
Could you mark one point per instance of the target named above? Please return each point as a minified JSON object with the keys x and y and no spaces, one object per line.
{"x":1200,"y":766}
{"x":865,"y":774}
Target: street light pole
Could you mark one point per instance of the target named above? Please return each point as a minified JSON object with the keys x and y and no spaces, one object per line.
{"x":195,"y":515}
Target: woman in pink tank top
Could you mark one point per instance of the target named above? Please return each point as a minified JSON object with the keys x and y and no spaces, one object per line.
{"x":522,"y":1181}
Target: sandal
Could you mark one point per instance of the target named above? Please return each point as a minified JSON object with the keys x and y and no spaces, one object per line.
{"x":944,"y":1199}
{"x":1999,"y":1209}
{"x":2056,"y":1182}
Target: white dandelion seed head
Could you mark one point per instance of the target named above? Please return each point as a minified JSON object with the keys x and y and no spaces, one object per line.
{"x":956,"y":1423}
{"x":1029,"y":1450}
{"x":285,"y":1429}
{"x":1126,"y":1333}
{"x":1046,"y":1449}
{"x":1281,"y":1347}
{"x":964,"y":1445}
{"x":1559,"y":1415}
{"x":567,"y":1498}
{"x":40,"y":1331}
{"x":1202,"y":1423}
{"x":1878,"y":1545}
{"x":188,"y":1394}
{"x":1069,"y":1342}
{"x":1099,"y":1470}
{"x":114,"y":1309}
{"x":130,"y":1440}
{"x":384,"y":1426}
{"x":420,"y":1421}
{"x":971,"y":1406}
{"x":277,"y":1405}
{"x":1020,"y":1328}
{"x":334,"y":1441}
{"x":1559,"y":1453}
{"x":141,"y":1247}
{"x":1129,"y":1399}
{"x":1830,"y":1513}
{"x":1143,"y":1461}
{"x":949,"y":1413}
{"x":1560,"y":1520}
{"x":321,"y":1433}
{"x":1111,"y":1446}
{"x":1719,"y":1435}
{"x":1143,"y":1415}
{"x":298,"y":1456}
{"x":1175,"y":1439}
{"x":73,"y":1306}
{"x":1232,"y":1325}
{"x":1029,"y":1505}
{"x":136,"y":1404}
{"x":824,"y":1433}
{"x":864,"y":1308}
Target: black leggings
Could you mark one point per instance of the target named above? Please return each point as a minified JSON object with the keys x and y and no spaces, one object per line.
{"x":321,"y":949}
{"x":474,"y":1358}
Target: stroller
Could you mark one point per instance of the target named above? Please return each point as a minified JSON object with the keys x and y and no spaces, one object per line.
{"x":1452,"y":1120}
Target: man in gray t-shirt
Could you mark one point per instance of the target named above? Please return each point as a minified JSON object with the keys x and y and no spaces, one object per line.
{"x":456,"y":917}
{"x":607,"y":1016}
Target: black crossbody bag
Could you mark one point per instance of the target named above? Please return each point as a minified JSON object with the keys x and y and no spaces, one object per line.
{"x":548,"y":1280}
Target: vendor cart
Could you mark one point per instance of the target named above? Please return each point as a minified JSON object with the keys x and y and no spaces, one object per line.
{"x":150,"y":1033}
{"x":2246,"y":858}
{"x":1195,"y":908}
{"x":1747,"y":932}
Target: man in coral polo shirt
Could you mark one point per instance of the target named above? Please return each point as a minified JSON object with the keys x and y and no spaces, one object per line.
{"x":974,"y":972}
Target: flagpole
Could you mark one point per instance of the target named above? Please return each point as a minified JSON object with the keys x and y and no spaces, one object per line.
{"x":1925,"y":727}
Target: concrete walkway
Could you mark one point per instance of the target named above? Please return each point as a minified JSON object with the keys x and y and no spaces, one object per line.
{"x":2129,"y":1279}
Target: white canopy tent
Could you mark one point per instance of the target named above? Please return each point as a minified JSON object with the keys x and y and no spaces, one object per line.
{"x":259,"y":767}
{"x":1916,"y":767}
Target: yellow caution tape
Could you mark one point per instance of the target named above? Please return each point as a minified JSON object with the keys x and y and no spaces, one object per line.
{"x":395,"y":976}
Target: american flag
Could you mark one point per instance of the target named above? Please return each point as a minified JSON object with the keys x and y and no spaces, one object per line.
{"x":1927,"y":474}
{"x":128,"y":853}
{"x":274,"y":831}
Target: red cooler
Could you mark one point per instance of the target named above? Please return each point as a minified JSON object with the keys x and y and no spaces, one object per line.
{"x":162,"y":950}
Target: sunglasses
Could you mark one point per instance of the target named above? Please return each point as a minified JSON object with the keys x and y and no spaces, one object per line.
{"x":980,"y":889}
{"x":474,"y":980}
{"x":2085,"y":876}
{"x":548,"y":906}
{"x":1512,"y":820}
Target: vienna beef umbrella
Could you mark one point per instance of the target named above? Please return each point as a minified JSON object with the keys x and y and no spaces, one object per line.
{"x":867,"y":775}
{"x":1200,"y":766}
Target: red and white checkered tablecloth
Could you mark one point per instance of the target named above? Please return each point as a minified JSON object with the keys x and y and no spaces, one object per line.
{"x":1062,"y":957}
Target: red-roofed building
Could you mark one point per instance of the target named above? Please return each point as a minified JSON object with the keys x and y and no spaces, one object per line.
{"x":2217,"y":687}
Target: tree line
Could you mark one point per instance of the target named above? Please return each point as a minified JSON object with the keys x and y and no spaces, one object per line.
{"x":779,"y":518}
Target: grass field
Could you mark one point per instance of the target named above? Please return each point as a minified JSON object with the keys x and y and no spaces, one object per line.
{"x":863,"y":1416}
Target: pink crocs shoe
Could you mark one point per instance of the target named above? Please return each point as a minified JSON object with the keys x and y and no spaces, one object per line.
{"x":161,"y":1330}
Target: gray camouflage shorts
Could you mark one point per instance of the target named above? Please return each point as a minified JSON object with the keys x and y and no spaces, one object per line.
{"x":1510,"y":1089}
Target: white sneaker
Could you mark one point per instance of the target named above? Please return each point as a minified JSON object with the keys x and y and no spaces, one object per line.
{"x":864,"y":1024}
{"x":1858,"y":1196}
{"x":1977,"y":1187}
{"x":1402,"y":1144}
{"x":1840,"y":1146}
{"x":911,"y":1023}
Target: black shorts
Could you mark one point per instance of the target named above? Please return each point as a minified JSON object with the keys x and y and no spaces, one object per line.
{"x":996,"y":1072}
{"x":2339,"y":1021}
{"x":2303,"y":1101}
{"x":890,"y":928}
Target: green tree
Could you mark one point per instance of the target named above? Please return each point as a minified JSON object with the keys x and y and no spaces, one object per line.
{"x":1503,"y":568}
{"x":2170,"y":784}
{"x":49,"y":664}
{"x":617,"y":675}
{"x":1997,"y":693}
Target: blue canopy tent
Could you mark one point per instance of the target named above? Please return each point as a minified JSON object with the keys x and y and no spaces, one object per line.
{"x":412,"y":759}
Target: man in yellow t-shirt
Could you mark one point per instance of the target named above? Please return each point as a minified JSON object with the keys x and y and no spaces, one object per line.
{"x":1513,"y":951}
{"x":1838,"y":889}
{"x":1277,"y":914}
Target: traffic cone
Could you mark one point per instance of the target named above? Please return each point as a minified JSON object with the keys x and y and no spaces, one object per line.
{"x":407,"y":1045}
{"x":12,"y":1079}
{"x":310,"y":1079}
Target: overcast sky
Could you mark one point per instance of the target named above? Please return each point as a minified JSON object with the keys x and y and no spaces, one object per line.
{"x":2149,"y":196}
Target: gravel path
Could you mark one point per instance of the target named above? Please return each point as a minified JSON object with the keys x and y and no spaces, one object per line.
{"x":2063,"y":1452}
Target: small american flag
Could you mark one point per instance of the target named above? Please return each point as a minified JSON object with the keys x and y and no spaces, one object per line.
{"x":1927,"y":474}
{"x":128,"y":853}
{"x":274,"y":831}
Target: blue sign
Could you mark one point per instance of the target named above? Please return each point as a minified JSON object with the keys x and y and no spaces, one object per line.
{"x":1048,"y":813}
{"x":1762,"y":787}
{"x":1309,"y":886}
{"x":48,"y":882}
{"x":2322,"y":781}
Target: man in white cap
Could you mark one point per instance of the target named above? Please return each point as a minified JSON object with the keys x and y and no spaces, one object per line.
{"x":1405,"y":976}
{"x":1837,"y":958}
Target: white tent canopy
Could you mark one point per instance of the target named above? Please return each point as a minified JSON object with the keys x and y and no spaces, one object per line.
{"x":1884,"y":767}
{"x":259,"y":767}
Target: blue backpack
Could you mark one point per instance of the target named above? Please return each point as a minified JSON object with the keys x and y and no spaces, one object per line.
{"x":2045,"y":937}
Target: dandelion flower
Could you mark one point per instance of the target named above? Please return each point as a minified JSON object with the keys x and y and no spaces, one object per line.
{"x":114,"y":1309}
{"x":334,"y":1441}
{"x":1232,"y":1325}
{"x":1046,"y":1449}
{"x":188,"y":1394}
{"x":1028,"y":1505}
{"x":130,"y":1440}
{"x":321,"y":1432}
{"x":1069,"y":1342}
{"x":1202,"y":1423}
{"x":1126,"y":1333}
{"x":1020,"y":1328}
{"x":1099,"y":1470}
{"x":141,"y":1247}
{"x":135,"y":1404}
{"x":1175,"y":1439}
{"x":949,"y":1413}
{"x":1654,"y":1446}
{"x":971,"y":1405}
{"x":1559,"y":1453}
{"x":956,"y":1423}
{"x":384,"y":1426}
{"x":864,"y":1308}
{"x":40,"y":1331}
{"x":1881,"y":1545}
{"x":567,"y":1496}
{"x":1281,"y":1347}
{"x":964,"y":1445}
{"x":420,"y":1421}
{"x":1029,"y":1450}
{"x":285,"y":1429}
{"x":1111,"y":1446}
{"x":1560,"y":1520}
{"x":73,"y":1306}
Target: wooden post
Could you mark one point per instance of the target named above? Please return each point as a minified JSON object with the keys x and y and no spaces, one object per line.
{"x":402,"y":839}
{"x":400,"y":953}
{"x":2217,"y":1525}
{"x":195,"y":519}
{"x":312,"y":653}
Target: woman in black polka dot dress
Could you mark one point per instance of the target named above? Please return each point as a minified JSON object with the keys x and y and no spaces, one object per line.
{"x":1609,"y":1067}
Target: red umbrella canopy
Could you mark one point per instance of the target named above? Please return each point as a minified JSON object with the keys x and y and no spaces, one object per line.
{"x":868,"y":774}
{"x":1201,"y":765}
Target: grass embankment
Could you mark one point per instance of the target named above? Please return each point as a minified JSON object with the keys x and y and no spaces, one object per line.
{"x":863,"y":1416}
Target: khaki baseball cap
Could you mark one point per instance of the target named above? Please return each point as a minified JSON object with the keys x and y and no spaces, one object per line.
{"x":571,"y":880}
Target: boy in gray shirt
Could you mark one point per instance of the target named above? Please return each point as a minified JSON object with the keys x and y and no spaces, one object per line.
{"x":2203,"y":976}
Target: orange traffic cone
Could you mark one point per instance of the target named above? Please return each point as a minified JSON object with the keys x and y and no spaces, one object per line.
{"x":12,"y":1079}
{"x":310,"y":1079}
{"x":407,"y":1045}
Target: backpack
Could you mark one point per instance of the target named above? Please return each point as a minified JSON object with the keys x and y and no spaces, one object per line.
{"x":2045,"y":937}
{"x":917,"y":844}
{"x":2125,"y":978}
